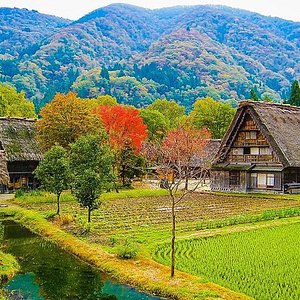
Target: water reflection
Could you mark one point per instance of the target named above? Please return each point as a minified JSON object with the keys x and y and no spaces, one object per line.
{"x":47,"y":272}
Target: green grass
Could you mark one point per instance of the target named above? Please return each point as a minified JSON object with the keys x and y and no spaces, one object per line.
{"x":295,"y":197}
{"x":264,"y":263}
{"x":8,"y":267}
{"x":46,"y":197}
{"x":249,"y":218}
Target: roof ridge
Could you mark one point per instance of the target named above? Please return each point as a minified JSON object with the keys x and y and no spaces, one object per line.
{"x":18,"y":119}
{"x":263,"y":103}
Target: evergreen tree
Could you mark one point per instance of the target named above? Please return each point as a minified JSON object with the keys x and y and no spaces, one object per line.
{"x":295,"y":94}
{"x":104,"y":73}
{"x":121,"y":73}
{"x":131,"y":164}
{"x":254,"y":95}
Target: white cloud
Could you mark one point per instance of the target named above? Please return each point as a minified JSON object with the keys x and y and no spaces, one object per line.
{"x":74,"y":9}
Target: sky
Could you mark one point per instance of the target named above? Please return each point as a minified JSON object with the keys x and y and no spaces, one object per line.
{"x":74,"y":9}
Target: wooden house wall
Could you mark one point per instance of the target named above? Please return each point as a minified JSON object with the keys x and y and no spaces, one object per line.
{"x":220,"y":181}
{"x":21,"y":174}
{"x":242,"y":142}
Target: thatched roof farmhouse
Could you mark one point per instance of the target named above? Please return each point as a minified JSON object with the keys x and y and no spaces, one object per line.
{"x":261,"y":149}
{"x":20,"y":150}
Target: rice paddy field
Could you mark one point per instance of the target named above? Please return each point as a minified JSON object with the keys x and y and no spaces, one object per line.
{"x":264,"y":263}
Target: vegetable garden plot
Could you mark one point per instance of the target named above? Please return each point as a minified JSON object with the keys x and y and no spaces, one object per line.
{"x":264,"y":264}
{"x":147,"y":218}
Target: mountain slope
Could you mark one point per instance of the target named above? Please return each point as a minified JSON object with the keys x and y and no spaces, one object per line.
{"x":21,"y":29}
{"x":180,"y":53}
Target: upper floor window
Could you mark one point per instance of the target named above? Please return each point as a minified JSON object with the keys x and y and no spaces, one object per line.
{"x":251,"y":135}
{"x":238,"y":151}
{"x":254,"y":151}
{"x":265,"y":151}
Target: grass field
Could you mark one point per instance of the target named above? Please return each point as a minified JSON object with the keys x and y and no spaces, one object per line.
{"x":264,"y":264}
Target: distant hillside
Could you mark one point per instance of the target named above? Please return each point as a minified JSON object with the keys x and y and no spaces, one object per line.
{"x":21,"y":30}
{"x":181,"y":53}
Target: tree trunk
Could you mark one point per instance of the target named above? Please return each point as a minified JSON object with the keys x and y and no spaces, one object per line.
{"x":89,"y":214}
{"x":58,"y":206}
{"x":123,"y":177}
{"x":116,"y":187}
{"x":173,"y":239}
{"x":186,"y":186}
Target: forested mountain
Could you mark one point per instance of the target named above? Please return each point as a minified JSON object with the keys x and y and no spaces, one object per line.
{"x":138,"y":55}
{"x":21,"y":30}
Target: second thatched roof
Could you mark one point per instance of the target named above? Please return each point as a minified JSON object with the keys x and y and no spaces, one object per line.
{"x":17,"y":139}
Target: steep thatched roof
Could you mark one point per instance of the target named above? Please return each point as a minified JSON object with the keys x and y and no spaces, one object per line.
{"x":17,"y":139}
{"x":209,"y":153}
{"x":279,"y":123}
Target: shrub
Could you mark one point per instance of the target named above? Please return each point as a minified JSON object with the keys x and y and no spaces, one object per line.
{"x":127,"y":250}
{"x":64,"y":219}
{"x":84,"y":226}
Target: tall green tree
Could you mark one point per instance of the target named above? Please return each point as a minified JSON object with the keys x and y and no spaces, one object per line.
{"x":54,"y":172}
{"x":170,"y":109}
{"x":104,"y":73}
{"x":14,"y":104}
{"x":157,"y":124}
{"x":254,"y":95}
{"x":214,"y":115}
{"x":131,"y":164}
{"x":91,"y":164}
{"x":295,"y":94}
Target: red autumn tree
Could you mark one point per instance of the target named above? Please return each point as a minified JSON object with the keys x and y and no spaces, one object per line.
{"x":182,"y":152}
{"x":123,"y":125}
{"x":126,"y":130}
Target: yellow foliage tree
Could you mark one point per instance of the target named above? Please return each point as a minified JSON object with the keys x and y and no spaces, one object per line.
{"x":14,"y":104}
{"x":64,"y":119}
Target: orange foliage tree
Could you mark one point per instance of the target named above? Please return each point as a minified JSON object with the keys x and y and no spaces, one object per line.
{"x":64,"y":119}
{"x":183,"y":153}
{"x":123,"y":125}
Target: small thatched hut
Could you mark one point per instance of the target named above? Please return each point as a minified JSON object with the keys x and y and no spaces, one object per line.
{"x":20,"y":151}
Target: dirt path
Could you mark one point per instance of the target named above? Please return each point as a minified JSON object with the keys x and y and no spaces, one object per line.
{"x":5,"y":200}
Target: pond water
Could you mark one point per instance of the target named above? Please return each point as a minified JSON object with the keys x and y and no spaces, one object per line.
{"x":49,"y":273}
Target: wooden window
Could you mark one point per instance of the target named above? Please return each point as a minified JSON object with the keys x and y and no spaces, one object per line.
{"x":270,"y":180}
{"x":234,"y":178}
{"x":251,"y":135}
{"x":253,"y":180}
{"x":265,"y":180}
{"x":254,"y":151}
{"x":238,"y":151}
{"x":265,"y":151}
{"x":261,"y":180}
{"x":246,"y":150}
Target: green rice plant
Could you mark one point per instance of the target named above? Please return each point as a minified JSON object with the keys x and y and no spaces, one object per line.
{"x":264,"y":263}
{"x":249,"y":218}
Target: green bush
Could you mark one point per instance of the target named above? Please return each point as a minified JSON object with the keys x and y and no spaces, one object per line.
{"x":83,"y":225}
{"x":127,"y":250}
{"x":19,"y":193}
